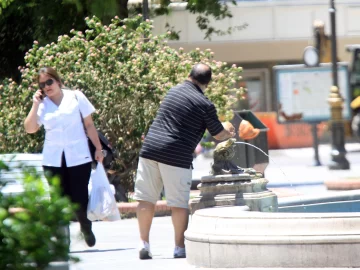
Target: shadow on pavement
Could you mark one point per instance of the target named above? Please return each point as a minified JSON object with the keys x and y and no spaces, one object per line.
{"x":99,"y":250}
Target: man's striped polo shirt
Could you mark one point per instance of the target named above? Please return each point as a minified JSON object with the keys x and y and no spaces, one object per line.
{"x":183,"y":116}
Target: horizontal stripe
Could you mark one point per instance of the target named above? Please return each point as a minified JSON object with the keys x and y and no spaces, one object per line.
{"x":183,"y":116}
{"x":188,"y":134}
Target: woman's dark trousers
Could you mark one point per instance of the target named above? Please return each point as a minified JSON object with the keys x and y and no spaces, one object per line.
{"x":74,"y":183}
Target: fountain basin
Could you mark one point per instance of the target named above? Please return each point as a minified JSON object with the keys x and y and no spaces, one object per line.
{"x":232,"y":237}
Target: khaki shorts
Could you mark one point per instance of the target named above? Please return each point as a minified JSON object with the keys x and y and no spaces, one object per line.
{"x":152,"y":176}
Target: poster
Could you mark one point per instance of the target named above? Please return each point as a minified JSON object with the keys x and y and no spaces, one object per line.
{"x":302,"y":92}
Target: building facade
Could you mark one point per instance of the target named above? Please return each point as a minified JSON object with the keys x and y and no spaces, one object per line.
{"x":265,"y":33}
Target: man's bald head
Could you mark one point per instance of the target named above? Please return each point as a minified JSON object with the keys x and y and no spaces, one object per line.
{"x":201,"y":73}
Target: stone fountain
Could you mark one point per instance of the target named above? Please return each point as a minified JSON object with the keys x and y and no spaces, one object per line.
{"x":230,"y":185}
{"x":234,"y":224}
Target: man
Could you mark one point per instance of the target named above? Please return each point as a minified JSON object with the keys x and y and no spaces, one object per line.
{"x":166,"y":156}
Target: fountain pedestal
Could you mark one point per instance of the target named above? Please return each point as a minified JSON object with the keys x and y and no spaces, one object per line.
{"x":248,"y":235}
{"x":234,"y":190}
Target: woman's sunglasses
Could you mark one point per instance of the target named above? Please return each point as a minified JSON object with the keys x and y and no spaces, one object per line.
{"x":47,"y":82}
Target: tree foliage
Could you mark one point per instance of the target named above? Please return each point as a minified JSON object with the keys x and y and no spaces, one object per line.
{"x":206,"y":9}
{"x":24,"y":21}
{"x":27,"y":20}
{"x":4,"y":4}
{"x":123,"y":74}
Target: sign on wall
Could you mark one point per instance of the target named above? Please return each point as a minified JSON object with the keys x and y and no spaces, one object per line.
{"x":302,"y":92}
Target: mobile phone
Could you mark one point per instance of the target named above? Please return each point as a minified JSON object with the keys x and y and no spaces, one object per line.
{"x":42,"y":94}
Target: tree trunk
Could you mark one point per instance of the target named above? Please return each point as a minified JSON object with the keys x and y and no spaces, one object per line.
{"x":123,"y":9}
{"x":146,"y":10}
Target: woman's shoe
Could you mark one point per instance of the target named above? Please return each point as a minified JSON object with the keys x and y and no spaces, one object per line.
{"x":89,"y":238}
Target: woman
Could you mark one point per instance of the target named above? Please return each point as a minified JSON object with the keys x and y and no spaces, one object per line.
{"x":66,"y":152}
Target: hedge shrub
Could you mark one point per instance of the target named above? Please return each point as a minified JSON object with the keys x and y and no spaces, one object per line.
{"x":125,"y":71}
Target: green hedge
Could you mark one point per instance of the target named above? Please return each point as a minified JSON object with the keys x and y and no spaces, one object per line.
{"x":125,"y":71}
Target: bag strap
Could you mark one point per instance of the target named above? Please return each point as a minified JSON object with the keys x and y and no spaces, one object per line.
{"x":102,"y":139}
{"x":82,"y":118}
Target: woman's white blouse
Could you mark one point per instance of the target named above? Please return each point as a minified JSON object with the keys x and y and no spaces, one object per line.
{"x":64,"y":130}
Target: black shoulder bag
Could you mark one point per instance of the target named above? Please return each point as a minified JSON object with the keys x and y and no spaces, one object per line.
{"x":105,"y":144}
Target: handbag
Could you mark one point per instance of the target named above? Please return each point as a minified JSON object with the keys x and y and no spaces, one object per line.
{"x":105,"y":145}
{"x":102,"y":204}
{"x":107,"y":149}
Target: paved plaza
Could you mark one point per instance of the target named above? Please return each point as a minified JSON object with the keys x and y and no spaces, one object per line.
{"x":116,"y":248}
{"x":117,"y":242}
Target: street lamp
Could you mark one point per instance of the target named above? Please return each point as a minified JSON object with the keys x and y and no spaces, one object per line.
{"x":338,"y":152}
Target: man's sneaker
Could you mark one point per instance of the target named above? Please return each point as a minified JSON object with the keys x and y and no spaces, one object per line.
{"x":179,"y":252}
{"x":144,"y":251}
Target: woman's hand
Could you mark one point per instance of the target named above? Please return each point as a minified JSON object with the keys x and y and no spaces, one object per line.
{"x":99,"y":156}
{"x":31,"y":125}
{"x":38,"y":97}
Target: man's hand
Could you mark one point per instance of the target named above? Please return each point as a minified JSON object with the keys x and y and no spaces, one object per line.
{"x":230,"y":128}
{"x":226,"y":133}
{"x":247,"y":131}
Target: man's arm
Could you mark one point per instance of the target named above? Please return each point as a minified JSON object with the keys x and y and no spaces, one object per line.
{"x":226,"y":133}
{"x":246,"y":131}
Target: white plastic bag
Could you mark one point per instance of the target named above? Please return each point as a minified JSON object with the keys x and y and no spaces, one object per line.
{"x":102,"y":204}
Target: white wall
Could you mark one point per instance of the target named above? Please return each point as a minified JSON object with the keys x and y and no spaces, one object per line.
{"x":278,"y":30}
{"x":268,"y":21}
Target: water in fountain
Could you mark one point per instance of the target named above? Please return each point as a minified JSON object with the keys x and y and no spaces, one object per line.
{"x":272,"y":160}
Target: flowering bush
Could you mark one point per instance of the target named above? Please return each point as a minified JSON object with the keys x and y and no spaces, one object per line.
{"x":125,"y":71}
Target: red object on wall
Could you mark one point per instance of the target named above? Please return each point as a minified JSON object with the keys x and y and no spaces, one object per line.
{"x":288,"y":135}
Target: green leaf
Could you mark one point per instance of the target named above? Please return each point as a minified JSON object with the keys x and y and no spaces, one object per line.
{"x":3,"y":213}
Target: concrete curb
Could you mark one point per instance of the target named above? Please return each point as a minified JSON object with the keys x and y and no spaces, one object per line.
{"x":128,"y":210}
{"x":343,"y":184}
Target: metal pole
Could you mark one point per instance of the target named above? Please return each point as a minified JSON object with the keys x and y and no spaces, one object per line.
{"x":315,"y":144}
{"x":145,"y":10}
{"x":333,"y":43}
{"x":338,"y":152}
